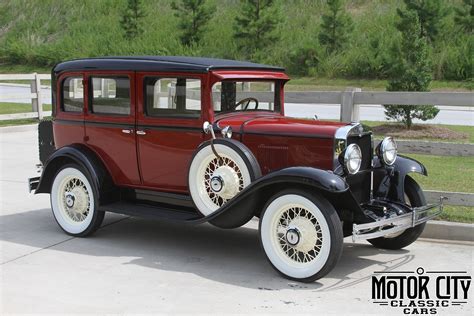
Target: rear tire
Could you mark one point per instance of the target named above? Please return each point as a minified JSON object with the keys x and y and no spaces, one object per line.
{"x":415,"y":198}
{"x":301,"y":235}
{"x":74,"y":202}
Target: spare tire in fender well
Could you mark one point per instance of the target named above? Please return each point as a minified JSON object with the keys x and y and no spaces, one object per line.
{"x":84,"y":157}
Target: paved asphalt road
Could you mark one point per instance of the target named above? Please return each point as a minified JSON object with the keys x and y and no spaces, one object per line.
{"x":447,"y":115}
{"x":137,"y":266}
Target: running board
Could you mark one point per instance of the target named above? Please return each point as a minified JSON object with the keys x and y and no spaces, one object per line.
{"x":165,"y":213}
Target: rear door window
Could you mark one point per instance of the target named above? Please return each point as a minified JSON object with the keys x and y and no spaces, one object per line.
{"x":110,"y":95}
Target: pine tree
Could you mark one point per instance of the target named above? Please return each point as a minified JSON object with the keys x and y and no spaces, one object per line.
{"x":256,"y":26}
{"x":411,"y":71}
{"x":336,"y":26}
{"x":430,"y":14}
{"x":464,"y":17}
{"x":193,"y":16}
{"x":131,"y":19}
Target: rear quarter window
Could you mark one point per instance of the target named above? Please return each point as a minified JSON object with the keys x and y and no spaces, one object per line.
{"x":72,"y":95}
{"x":110,"y":95}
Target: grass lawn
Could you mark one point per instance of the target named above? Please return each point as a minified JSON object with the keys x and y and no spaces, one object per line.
{"x":9,"y":108}
{"x":458,"y":128}
{"x":454,"y":174}
{"x":326,"y":84}
{"x":460,"y":214}
{"x":20,"y":122}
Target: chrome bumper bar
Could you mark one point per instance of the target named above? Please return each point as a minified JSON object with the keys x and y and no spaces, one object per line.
{"x":396,"y":224}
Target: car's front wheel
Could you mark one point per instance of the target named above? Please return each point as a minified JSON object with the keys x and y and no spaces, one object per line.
{"x":301,"y":235}
{"x":74,"y":202}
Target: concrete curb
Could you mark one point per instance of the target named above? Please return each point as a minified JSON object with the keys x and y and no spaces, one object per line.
{"x":449,"y":231}
{"x":18,"y":128}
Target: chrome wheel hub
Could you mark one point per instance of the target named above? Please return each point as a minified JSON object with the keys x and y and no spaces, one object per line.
{"x":222,"y":180}
{"x":299,"y":234}
{"x":76,"y":200}
{"x":226,"y":181}
{"x":292,"y":236}
{"x":70,"y":200}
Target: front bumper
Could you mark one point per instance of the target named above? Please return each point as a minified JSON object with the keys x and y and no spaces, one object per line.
{"x":395,"y":224}
{"x":33,"y":183}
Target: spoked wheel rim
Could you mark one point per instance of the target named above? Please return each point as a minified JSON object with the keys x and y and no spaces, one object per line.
{"x":74,"y":199}
{"x":299,"y":234}
{"x":222,"y":179}
{"x":213,"y":180}
{"x":295,"y":236}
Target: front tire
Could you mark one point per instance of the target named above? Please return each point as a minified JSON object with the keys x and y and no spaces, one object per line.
{"x":74,"y":202}
{"x":415,"y":197}
{"x":301,"y":235}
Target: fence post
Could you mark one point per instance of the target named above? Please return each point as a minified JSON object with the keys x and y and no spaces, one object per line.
{"x":36,"y":103}
{"x":349,"y":110}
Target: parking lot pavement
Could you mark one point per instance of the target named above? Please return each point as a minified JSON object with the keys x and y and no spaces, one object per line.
{"x":133,"y":265}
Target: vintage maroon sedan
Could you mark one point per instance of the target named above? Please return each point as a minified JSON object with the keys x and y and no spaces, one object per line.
{"x":207,"y":140}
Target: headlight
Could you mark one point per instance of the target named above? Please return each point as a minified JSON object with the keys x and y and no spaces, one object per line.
{"x":387,"y":151}
{"x":227,"y":132}
{"x":352,"y":158}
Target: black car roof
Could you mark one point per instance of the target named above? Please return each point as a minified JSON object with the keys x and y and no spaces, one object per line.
{"x":160,"y":63}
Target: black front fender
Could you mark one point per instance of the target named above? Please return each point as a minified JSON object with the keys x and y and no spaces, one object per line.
{"x":389,"y":181}
{"x":250,"y":201}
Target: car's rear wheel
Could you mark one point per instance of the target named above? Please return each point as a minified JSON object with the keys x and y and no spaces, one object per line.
{"x":301,"y":235}
{"x":74,"y":202}
{"x":215,"y":180}
{"x":414,"y":197}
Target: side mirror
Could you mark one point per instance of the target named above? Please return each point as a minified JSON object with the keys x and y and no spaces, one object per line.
{"x":206,"y":127}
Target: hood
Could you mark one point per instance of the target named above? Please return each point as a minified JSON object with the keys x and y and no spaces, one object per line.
{"x":276,"y":124}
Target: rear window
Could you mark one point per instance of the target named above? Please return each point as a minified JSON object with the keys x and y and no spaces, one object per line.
{"x":73,"y":95}
{"x":111,"y":95}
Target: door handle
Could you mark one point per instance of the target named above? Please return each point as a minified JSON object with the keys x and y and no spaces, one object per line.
{"x":141,"y":132}
{"x":127,"y":131}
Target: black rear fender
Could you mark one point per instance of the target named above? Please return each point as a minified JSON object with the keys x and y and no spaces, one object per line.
{"x":87,"y":160}
{"x":252,"y":199}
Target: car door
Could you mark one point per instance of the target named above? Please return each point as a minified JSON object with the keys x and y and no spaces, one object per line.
{"x":110,"y":123}
{"x":169,"y":128}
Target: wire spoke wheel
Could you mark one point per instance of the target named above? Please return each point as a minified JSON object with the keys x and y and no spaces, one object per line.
{"x":73,"y":202}
{"x":75,"y":199}
{"x":301,"y":234}
{"x":213,"y":180}
{"x":301,"y":222}
{"x":224,"y":165}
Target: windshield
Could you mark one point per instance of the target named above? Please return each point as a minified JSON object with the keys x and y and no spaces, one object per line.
{"x":230,"y":95}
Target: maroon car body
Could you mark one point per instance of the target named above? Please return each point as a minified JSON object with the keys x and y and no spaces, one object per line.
{"x":133,"y":128}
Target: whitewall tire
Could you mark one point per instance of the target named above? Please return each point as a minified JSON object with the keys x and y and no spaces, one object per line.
{"x":301,"y":235}
{"x":74,"y":202}
{"x":214,"y":181}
